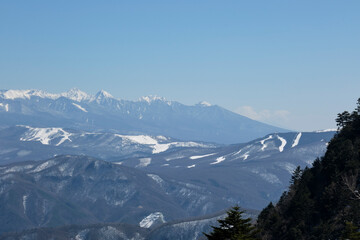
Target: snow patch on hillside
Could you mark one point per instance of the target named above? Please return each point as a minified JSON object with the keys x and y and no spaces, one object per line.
{"x":43,"y":166}
{"x":25,"y":197}
{"x":289,"y":167}
{"x":156,"y":178}
{"x":5,"y":106}
{"x":148,"y":221}
{"x":155,"y":145}
{"x":263,"y":142}
{"x":201,"y":156}
{"x":144,"y":162}
{"x":283,"y":143}
{"x":218,"y":160}
{"x":297,"y":139}
{"x":269,"y":177}
{"x":82,"y":235}
{"x":80,"y":107}
{"x":245,"y":155}
{"x":45,"y":135}
{"x":18,"y":168}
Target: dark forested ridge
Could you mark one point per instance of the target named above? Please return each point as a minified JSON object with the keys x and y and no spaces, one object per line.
{"x":323,"y":202}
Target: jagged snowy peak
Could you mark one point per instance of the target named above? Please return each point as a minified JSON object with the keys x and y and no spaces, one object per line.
{"x":149,"y":99}
{"x":77,"y":95}
{"x":73,"y":94}
{"x":102,"y":95}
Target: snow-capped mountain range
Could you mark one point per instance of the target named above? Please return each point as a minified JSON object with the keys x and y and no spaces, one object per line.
{"x":148,"y":116}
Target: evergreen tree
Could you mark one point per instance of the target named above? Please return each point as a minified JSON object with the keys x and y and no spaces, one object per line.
{"x":323,"y":202}
{"x":233,"y":227}
{"x":351,"y":232}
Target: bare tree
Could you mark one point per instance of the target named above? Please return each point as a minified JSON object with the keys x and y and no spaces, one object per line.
{"x":350,"y":181}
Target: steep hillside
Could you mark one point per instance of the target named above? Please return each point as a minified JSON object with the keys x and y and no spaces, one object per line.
{"x":323,"y":201}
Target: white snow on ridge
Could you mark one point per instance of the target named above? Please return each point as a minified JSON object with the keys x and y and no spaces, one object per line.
{"x":151,"y":98}
{"x":76,"y":95}
{"x":148,"y":221}
{"x":45,"y":135}
{"x":5,"y":106}
{"x":218,"y":160}
{"x":297,"y":139}
{"x":263,"y":142}
{"x":80,"y":107}
{"x":73,"y":94}
{"x":43,"y":166}
{"x":144,"y":162}
{"x":24,"y":202}
{"x":141,"y":139}
{"x":205,"y":104}
{"x":327,"y":130}
{"x":18,"y":168}
{"x":162,"y":138}
{"x":245,"y":155}
{"x":283,"y":143}
{"x":27,"y":94}
{"x":201,"y":156}
{"x":156,"y":178}
{"x":158,"y":147}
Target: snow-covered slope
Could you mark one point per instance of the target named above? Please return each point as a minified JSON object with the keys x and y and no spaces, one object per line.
{"x":26,"y":143}
{"x":250,"y":174}
{"x":149,"y":115}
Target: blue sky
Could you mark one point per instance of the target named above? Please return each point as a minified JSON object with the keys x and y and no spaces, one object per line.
{"x":294,"y":64}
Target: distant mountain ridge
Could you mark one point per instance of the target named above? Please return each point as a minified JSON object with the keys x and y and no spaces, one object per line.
{"x":267,"y":162}
{"x":83,"y":190}
{"x":150,"y":115}
{"x":22,"y":143}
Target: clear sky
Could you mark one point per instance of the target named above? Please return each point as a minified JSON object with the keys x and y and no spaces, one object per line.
{"x":294,"y":64}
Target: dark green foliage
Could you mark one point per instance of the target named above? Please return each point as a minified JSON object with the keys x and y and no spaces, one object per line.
{"x":233,"y":227}
{"x":323,"y":202}
{"x":351,"y":232}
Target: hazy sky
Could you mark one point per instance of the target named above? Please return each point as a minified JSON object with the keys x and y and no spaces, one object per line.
{"x":295,"y":64}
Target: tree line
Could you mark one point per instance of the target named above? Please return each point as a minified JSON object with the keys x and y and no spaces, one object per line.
{"x":322,"y":202}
